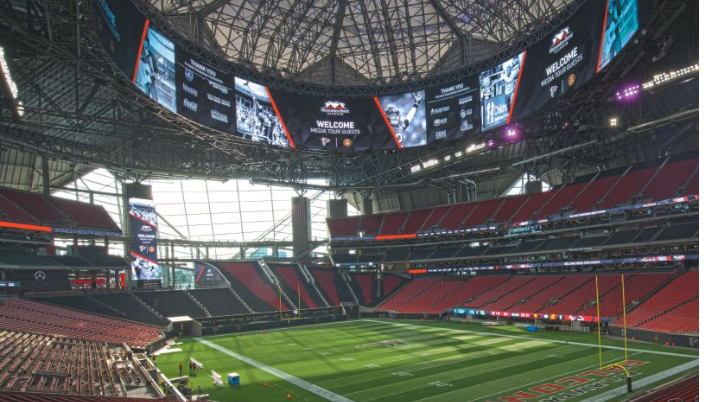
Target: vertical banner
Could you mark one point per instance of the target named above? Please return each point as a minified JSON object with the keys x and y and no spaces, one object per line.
{"x":143,"y":246}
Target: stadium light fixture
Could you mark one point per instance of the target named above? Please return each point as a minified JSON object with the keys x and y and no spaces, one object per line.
{"x":662,"y":78}
{"x":613,"y":122}
{"x":430,"y":163}
{"x":415,"y":169}
{"x":447,"y":158}
{"x":10,"y":84}
{"x":458,"y":154}
{"x":474,"y":147}
{"x":628,"y":93}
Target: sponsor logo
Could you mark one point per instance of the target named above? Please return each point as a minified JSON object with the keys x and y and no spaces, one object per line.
{"x":465,"y":113}
{"x":465,"y":100}
{"x":553,"y":90}
{"x":190,"y":90}
{"x":324,"y":141}
{"x":465,"y":126}
{"x":39,"y":276}
{"x":347,"y":142}
{"x":335,"y":108}
{"x":560,"y":40}
{"x":439,"y":122}
{"x":146,"y":228}
{"x":439,"y":110}
{"x":571,"y":79}
{"x":190,"y":104}
{"x":189,"y":75}
{"x":440,"y":134}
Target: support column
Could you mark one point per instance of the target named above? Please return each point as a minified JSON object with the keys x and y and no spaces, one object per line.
{"x":301,"y":225}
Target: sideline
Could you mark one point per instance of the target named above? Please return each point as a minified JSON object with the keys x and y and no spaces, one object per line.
{"x":649,"y":380}
{"x":654,"y":352}
{"x":322,"y":392}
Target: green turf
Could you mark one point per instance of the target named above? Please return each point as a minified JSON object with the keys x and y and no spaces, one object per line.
{"x":441,"y":362}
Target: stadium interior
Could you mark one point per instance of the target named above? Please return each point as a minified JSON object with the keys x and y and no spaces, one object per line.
{"x":242,"y":200}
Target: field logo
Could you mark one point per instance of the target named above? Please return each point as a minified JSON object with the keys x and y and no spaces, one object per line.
{"x":383,"y":343}
{"x":573,"y":386}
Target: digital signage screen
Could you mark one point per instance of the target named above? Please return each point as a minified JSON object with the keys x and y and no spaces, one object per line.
{"x":498,"y":88}
{"x":155,"y":69}
{"x":621,"y":23}
{"x":255,"y":116}
{"x":405,"y":117}
{"x":523,"y":84}
{"x":335,"y":123}
{"x":206,"y":95}
{"x":452,"y":111}
{"x":143,"y":244}
{"x":562,"y":61}
{"x":120,"y":27}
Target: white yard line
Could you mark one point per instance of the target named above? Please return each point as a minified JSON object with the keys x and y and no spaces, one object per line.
{"x":649,"y":380}
{"x":322,"y":392}
{"x":654,"y":352}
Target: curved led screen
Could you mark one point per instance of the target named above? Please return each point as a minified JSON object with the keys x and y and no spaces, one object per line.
{"x":515,"y":88}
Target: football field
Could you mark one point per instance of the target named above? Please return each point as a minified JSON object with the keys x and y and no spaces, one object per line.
{"x":407,"y":361}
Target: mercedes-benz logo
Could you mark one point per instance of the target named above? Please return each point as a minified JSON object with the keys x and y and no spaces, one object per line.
{"x":39,"y":276}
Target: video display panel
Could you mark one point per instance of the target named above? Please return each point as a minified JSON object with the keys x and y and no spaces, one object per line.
{"x":405,"y":114}
{"x":562,"y":61}
{"x":334,"y":123}
{"x":255,"y":116}
{"x":206,"y":95}
{"x":621,"y":23}
{"x":120,"y":30}
{"x":515,"y":88}
{"x":143,"y":246}
{"x":453,"y":111}
{"x":498,"y":87}
{"x":155,"y":70}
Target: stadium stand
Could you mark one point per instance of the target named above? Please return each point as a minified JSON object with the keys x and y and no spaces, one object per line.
{"x":290,"y":282}
{"x":171,"y":303}
{"x":408,"y":293}
{"x":331,"y":283}
{"x":128,"y":307}
{"x":587,"y":193}
{"x":41,"y":318}
{"x":219,"y":301}
{"x":245,"y":278}
{"x":686,"y":389}
{"x":41,"y":397}
{"x":653,"y":313}
{"x":47,"y":363}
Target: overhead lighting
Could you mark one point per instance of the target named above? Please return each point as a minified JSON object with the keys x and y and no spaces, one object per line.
{"x":447,"y":157}
{"x":628,"y":93}
{"x":430,"y":163}
{"x":670,"y":76}
{"x":10,"y":84}
{"x":458,"y":154}
{"x":415,"y":169}
{"x":613,"y":122}
{"x":474,"y":147}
